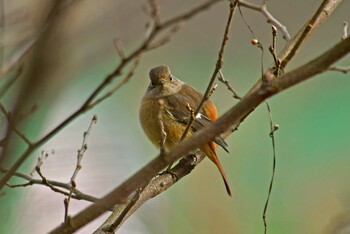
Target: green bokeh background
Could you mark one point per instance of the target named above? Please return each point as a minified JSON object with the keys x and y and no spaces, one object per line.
{"x":311,"y":190}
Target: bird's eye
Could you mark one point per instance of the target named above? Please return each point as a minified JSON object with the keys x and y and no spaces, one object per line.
{"x":152,"y":84}
{"x":171,"y":78}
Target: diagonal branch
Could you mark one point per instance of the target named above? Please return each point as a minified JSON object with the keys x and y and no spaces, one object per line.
{"x":323,"y":12}
{"x":321,"y":15}
{"x":226,"y":121}
{"x":219,"y":64}
{"x":157,"y":185}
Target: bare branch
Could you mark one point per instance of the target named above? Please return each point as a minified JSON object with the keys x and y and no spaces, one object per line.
{"x":324,"y":11}
{"x":321,"y":15}
{"x":120,"y":49}
{"x":157,"y":185}
{"x":228,"y":85}
{"x":155,"y":11}
{"x":44,"y":155}
{"x":118,"y":85}
{"x":124,"y":212}
{"x":270,"y":19}
{"x":212,"y":90}
{"x":166,"y":38}
{"x":272,"y":50}
{"x":78,"y":167}
{"x":219,"y":64}
{"x":230,"y":118}
{"x":273,"y":129}
{"x":82,"y":150}
{"x":48,"y":184}
{"x":67,"y":186}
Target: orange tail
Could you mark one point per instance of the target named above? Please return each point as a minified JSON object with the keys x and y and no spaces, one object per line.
{"x":209,"y":150}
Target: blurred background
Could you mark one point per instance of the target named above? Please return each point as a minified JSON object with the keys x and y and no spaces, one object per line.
{"x":311,"y":190}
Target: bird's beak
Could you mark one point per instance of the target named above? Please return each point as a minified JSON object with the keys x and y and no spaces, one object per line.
{"x":161,"y":82}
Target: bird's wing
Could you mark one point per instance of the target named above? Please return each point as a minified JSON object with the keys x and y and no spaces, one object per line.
{"x":177,"y":108}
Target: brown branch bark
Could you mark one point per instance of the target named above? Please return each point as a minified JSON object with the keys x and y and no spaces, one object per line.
{"x":157,"y":185}
{"x":234,"y":115}
{"x":323,"y":12}
{"x":321,"y":15}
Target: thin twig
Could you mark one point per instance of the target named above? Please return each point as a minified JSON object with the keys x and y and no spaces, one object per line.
{"x":155,"y":11}
{"x":118,"y":85}
{"x":212,"y":90}
{"x":192,"y":118}
{"x":78,"y":167}
{"x":324,"y":11}
{"x":166,"y":38}
{"x":44,"y":155}
{"x":272,"y":50}
{"x":270,"y":19}
{"x":255,"y":40}
{"x":48,"y":184}
{"x":125,"y":211}
{"x":228,"y":85}
{"x":67,"y":186}
{"x":219,"y":64}
{"x":120,"y":49}
{"x":273,"y":128}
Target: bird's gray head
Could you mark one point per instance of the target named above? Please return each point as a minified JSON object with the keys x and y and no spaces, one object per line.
{"x":163,"y":83}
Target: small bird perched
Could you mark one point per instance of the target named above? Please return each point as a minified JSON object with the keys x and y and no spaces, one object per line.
{"x":176,"y":96}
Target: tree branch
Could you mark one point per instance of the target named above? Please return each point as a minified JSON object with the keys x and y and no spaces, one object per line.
{"x":67,"y":186}
{"x":321,"y":15}
{"x":226,"y":121}
{"x":157,"y":185}
{"x":270,"y":19}
{"x":219,"y":64}
{"x":324,"y":11}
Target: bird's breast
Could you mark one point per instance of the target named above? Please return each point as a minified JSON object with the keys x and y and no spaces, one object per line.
{"x":151,"y":123}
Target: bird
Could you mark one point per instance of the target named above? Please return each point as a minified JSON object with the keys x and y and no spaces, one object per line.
{"x":176,"y":98}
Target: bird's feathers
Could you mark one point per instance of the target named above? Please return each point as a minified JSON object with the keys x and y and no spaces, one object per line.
{"x":181,"y":113}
